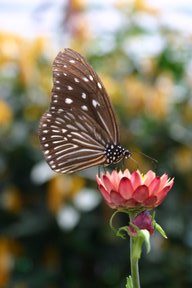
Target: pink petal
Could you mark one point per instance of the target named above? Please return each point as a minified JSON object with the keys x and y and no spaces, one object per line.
{"x":98,"y":179}
{"x":132,"y":203}
{"x":148,"y":178}
{"x":151,"y":202}
{"x":108,"y":184}
{"x":105,"y":194}
{"x":125,"y":188}
{"x":116,"y":199}
{"x":115,"y":178}
{"x":127,"y":174}
{"x":135,"y":179}
{"x":141,"y":193}
{"x":170,"y":182}
{"x":154,"y":186}
{"x":163,"y":178}
{"x":120,"y":174}
{"x":162,"y":194}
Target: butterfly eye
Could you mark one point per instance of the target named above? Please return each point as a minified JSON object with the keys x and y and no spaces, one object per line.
{"x":80,"y":128}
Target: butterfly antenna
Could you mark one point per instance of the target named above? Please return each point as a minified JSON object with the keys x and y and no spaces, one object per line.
{"x":134,"y":161}
{"x":153,"y":160}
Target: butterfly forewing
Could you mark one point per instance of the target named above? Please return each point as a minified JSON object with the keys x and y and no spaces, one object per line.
{"x":76,"y":83}
{"x":80,"y":129}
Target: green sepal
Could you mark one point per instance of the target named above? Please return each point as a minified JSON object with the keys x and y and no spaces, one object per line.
{"x":160,"y":230}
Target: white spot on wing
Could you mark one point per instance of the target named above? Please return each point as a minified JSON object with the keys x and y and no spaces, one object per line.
{"x":69,"y":88}
{"x":91,"y":77}
{"x":56,"y":136}
{"x":60,"y":110}
{"x":55,"y":131}
{"x":84,"y":107}
{"x":95,"y":103}
{"x":76,"y":80}
{"x":83,"y":95}
{"x":72,"y":61}
{"x":99,"y":85}
{"x":85,"y":79}
{"x":68,"y":101}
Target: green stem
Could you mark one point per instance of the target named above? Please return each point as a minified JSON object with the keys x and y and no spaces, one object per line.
{"x":134,"y":265}
{"x":134,"y":258}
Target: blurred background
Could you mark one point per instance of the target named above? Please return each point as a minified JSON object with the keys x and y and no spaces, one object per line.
{"x":54,"y":229}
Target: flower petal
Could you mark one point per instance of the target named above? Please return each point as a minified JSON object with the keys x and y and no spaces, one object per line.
{"x":125,"y":188}
{"x":170,"y":182}
{"x":141,"y":193}
{"x":162,"y":194}
{"x":154,"y":186}
{"x":148,"y":177}
{"x":116,"y":199}
{"x":105,"y":194}
{"x":135,"y":179}
{"x":127,"y":174}
{"x":107,"y":183}
{"x":98,"y":179}
{"x":164,"y":179}
{"x":115,"y":178}
{"x":151,"y":202}
{"x":132,"y":203}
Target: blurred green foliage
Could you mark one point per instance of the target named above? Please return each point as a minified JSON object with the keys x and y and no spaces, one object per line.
{"x":147,"y":73}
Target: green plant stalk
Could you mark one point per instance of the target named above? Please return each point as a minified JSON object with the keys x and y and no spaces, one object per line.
{"x":135,"y":253}
{"x":134,"y":261}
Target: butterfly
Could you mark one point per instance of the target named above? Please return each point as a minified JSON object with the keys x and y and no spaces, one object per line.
{"x":80,"y":128}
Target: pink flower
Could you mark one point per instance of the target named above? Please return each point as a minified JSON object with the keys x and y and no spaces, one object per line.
{"x":134,"y":190}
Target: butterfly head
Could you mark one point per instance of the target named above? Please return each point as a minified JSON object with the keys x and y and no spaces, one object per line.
{"x":115,"y":153}
{"x":126,"y":153}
